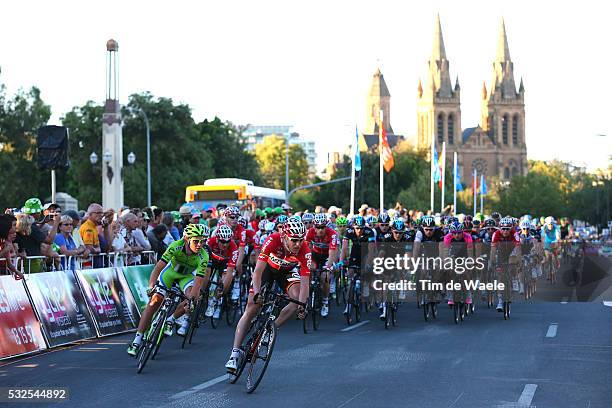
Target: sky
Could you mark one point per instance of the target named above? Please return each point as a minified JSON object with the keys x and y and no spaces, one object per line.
{"x":310,"y":64}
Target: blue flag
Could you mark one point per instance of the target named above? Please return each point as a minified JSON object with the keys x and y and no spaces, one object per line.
{"x":483,"y":185}
{"x":357,"y":154}
{"x":437,"y":175}
{"x":458,"y":185}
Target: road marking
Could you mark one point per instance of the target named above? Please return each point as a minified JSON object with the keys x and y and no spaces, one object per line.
{"x":27,"y":366}
{"x":564,"y":300}
{"x":350,"y":399}
{"x":552,"y":330}
{"x":200,"y":387}
{"x":93,"y":348}
{"x":110,"y":343}
{"x":527,"y":395}
{"x":454,"y":402}
{"x":607,"y":303}
{"x":355,"y":326}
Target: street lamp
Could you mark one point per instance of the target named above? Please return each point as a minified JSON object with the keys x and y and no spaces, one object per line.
{"x":146,"y":120}
{"x":93,"y":158}
{"x":131,"y":158}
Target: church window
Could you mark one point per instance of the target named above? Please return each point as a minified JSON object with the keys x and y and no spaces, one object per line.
{"x":451,"y":129}
{"x":440,"y":128}
{"x":506,"y":173}
{"x":515,"y":123}
{"x":505,"y":129}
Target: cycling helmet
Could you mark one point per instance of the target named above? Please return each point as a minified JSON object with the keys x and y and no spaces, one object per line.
{"x":294,"y":229}
{"x":371,"y":220}
{"x":535,"y":223}
{"x":294,"y":217}
{"x":506,"y":222}
{"x":358,"y":221}
{"x":224,"y":233}
{"x":307,"y":217}
{"x":455,"y":227}
{"x":428,"y":221}
{"x":490,"y":223}
{"x":262,"y":225}
{"x":468,"y":218}
{"x":468,"y":225}
{"x":196,"y":230}
{"x":476,"y":222}
{"x":495,"y":215}
{"x":268,"y":211}
{"x":242,"y":221}
{"x":320,"y":220}
{"x":281,"y":219}
{"x":231,"y":211}
{"x":278,"y":210}
{"x":549,"y":220}
{"x":269,"y":226}
{"x":341,"y":222}
{"x":384,"y":218}
{"x":525,"y":224}
{"x":398,"y":225}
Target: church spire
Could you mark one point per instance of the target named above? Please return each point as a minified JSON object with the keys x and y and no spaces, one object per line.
{"x":503,"y":51}
{"x":379,"y":99}
{"x":438,"y":52}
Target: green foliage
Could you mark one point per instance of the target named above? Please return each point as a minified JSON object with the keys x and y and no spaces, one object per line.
{"x":20,"y":118}
{"x":271,"y":159}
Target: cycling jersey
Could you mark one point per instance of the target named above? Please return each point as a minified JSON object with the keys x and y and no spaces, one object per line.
{"x":551,"y":236}
{"x":485,"y":237}
{"x":367,"y":235}
{"x":505,"y":244}
{"x":222,"y":258}
{"x":383,"y":236}
{"x":181,"y":267}
{"x":274,"y":254}
{"x":458,"y":247}
{"x":564,"y":230}
{"x":429,"y":245}
{"x":239,"y":237}
{"x":527,"y":242}
{"x":322,"y":245}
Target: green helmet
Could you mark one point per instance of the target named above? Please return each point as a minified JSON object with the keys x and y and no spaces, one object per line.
{"x":268,"y":211}
{"x":32,"y":206}
{"x":341,"y":222}
{"x":196,"y":230}
{"x":176,"y":216}
{"x":259,"y":213}
{"x":278,"y":210}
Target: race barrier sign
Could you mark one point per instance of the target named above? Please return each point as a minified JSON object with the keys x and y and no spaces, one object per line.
{"x":20,"y":331}
{"x":137,"y":278}
{"x":109,"y":300}
{"x":61,"y":307}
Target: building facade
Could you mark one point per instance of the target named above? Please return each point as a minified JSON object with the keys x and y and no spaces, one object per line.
{"x":497,"y":146}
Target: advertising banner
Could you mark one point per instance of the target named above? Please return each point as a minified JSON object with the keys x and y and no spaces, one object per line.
{"x":61,"y":307}
{"x":109,"y":299}
{"x":20,"y":331}
{"x":137,"y":278}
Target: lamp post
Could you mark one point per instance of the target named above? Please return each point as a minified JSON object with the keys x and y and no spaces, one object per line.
{"x":146,"y":120}
{"x":287,"y":168}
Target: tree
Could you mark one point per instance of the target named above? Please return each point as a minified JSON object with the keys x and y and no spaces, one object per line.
{"x":20,"y":118}
{"x":271,"y":158}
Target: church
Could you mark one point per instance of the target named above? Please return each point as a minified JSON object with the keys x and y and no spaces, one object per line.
{"x":495,"y":148}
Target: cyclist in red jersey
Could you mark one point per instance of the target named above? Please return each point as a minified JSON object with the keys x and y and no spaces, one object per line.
{"x":285,"y":259}
{"x":504,"y":243}
{"x":459,"y":244}
{"x":223,"y":256}
{"x":231,"y":216}
{"x":323,"y":242}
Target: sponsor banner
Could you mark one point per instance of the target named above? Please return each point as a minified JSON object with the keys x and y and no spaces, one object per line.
{"x":20,"y":331}
{"x":61,"y":307}
{"x":109,"y":299}
{"x":137,"y":278}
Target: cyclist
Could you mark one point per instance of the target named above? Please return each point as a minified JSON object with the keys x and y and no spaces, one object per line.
{"x":503,"y":245}
{"x":231,"y":216}
{"x":486,"y":233}
{"x":551,"y":236}
{"x":383,"y":234}
{"x":356,"y":236}
{"x":280,"y":221}
{"x":307,"y":219}
{"x":323,"y":242}
{"x":427,"y":244}
{"x":223,"y":255}
{"x":182,"y":260}
{"x":285,"y":259}
{"x":459,"y":245}
{"x":341,"y":225}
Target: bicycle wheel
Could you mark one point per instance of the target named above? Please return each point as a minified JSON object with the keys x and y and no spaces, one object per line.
{"x":426,"y":311}
{"x":316,"y":309}
{"x":217,"y":311}
{"x":394,"y":314}
{"x":194,"y":322}
{"x":261,"y":356}
{"x":231,"y":310}
{"x":434,"y":309}
{"x":349,"y":314}
{"x":506,"y":310}
{"x":150,"y":341}
{"x":462,"y":311}
{"x":456,"y":313}
{"x":357,"y":307}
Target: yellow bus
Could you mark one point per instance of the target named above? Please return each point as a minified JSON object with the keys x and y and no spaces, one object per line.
{"x":232,"y":191}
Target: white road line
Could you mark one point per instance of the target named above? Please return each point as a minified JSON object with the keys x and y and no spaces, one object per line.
{"x":552,"y":330}
{"x":527,"y":395}
{"x":607,"y":303}
{"x":564,"y":300}
{"x":355,"y":326}
{"x":350,"y":399}
{"x":200,"y":387}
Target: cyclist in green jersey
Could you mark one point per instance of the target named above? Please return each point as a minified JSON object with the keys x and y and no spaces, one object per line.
{"x":182,"y":260}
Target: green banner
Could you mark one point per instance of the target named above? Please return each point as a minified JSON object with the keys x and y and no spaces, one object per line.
{"x":137,"y":278}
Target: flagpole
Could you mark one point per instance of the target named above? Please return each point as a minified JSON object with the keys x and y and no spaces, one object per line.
{"x":431,"y":200}
{"x":354,"y":152}
{"x":443,"y":174}
{"x":380,"y":148}
{"x":455,"y":183}
{"x":481,"y":193}
{"x":475,"y":190}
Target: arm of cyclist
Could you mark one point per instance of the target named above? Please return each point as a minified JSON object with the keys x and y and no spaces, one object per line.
{"x":259,"y":268}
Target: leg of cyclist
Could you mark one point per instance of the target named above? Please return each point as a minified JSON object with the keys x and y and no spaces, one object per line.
{"x":242,"y":327}
{"x":154,"y":304}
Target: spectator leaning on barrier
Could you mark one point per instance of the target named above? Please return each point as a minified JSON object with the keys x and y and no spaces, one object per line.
{"x":156,"y":238}
{"x":29,"y":240}
{"x":76,"y":225}
{"x":66,"y":243}
{"x":8,"y":251}
{"x":33,"y":207}
{"x":89,"y":230}
{"x":130,"y":231}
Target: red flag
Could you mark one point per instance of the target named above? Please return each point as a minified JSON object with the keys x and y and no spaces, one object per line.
{"x":386,"y":154}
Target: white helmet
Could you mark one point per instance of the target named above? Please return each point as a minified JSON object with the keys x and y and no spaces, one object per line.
{"x":549,"y":220}
{"x":225,"y":233}
{"x":262,"y":224}
{"x":320,"y":219}
{"x":270,"y":226}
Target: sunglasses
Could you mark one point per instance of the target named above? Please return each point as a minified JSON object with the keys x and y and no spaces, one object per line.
{"x":198,"y":241}
{"x":222,"y":241}
{"x":296,"y":240}
{"x":428,"y":229}
{"x":491,"y":228}
{"x":232,"y":217}
{"x":320,"y":227}
{"x":384,"y":225}
{"x":67,"y":225}
{"x":397,"y":232}
{"x":358,"y":228}
{"x":505,"y":229}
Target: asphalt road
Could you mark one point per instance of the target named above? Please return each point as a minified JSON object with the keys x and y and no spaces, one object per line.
{"x":553,"y":352}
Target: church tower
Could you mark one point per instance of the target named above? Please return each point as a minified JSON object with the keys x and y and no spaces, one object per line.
{"x":438,"y":103}
{"x":503,"y":113}
{"x":379,"y":99}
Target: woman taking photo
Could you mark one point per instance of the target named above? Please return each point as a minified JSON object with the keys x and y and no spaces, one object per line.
{"x":65,"y":241}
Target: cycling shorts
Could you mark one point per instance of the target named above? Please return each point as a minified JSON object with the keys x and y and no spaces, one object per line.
{"x":168,"y":277}
{"x":284,"y":280}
